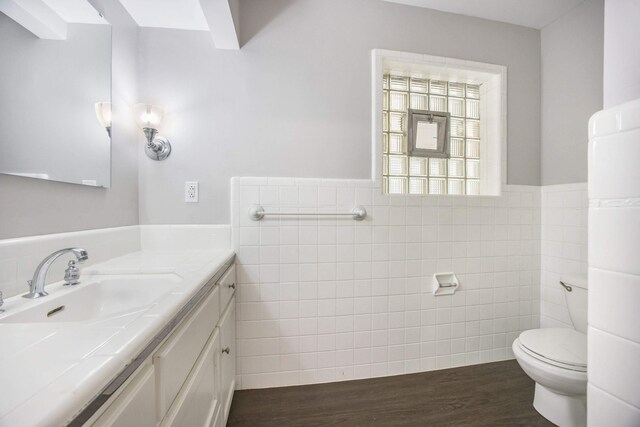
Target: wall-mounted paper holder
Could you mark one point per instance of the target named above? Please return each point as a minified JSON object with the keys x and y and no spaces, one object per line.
{"x":445,"y":284}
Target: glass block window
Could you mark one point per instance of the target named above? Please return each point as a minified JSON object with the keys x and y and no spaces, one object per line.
{"x":459,"y":174}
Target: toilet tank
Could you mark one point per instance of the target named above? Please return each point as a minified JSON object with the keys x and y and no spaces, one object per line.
{"x":576,"y":300}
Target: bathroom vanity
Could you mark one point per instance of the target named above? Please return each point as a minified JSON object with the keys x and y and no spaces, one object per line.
{"x":146,"y":338}
{"x":187,"y":380}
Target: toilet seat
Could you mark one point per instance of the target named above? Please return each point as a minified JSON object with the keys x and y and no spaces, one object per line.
{"x":562,"y":347}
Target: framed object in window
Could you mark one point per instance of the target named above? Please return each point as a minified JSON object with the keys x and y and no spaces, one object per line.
{"x":428,"y":133}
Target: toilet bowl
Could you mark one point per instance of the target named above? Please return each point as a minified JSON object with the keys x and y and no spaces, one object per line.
{"x":556,"y":359}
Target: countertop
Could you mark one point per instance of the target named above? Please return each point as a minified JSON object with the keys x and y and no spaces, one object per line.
{"x":50,"y":372}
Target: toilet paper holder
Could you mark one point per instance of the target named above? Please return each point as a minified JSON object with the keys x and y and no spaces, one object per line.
{"x":445,"y":284}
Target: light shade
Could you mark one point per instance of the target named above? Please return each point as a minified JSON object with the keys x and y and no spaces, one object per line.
{"x":103,"y":113}
{"x":148,"y":116}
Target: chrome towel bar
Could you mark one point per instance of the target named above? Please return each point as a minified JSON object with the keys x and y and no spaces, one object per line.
{"x":257,"y":212}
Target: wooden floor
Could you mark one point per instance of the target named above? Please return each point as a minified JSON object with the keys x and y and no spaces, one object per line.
{"x":492,"y":394}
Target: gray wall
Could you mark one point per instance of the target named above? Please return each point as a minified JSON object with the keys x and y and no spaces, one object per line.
{"x":572,"y":52}
{"x":296,"y":100}
{"x":30,"y":206}
{"x":622,"y":55}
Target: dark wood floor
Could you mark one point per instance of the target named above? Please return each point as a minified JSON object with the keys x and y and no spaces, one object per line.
{"x":492,"y":394}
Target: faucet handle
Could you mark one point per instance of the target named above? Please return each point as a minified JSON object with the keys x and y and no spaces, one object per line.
{"x":81,"y":255}
{"x":72,"y":274}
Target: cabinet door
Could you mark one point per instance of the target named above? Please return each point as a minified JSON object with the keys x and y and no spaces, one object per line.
{"x":198,"y":403}
{"x":228,"y":356}
{"x":135,"y":406}
{"x":217,"y":422}
{"x":176,"y":357}
{"x":227,"y":286}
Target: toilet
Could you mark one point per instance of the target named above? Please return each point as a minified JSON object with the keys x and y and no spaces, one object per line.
{"x":556,"y":359}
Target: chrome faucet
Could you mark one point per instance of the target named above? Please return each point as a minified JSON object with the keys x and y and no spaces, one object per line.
{"x":72,"y":275}
{"x":1,"y":302}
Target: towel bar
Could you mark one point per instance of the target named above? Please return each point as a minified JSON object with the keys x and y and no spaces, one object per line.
{"x":257,"y":212}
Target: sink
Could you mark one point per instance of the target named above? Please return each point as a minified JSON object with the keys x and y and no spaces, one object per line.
{"x":96,"y":298}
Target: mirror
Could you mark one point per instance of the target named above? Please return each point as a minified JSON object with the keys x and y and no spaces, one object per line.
{"x":55,"y":98}
{"x":428,"y":133}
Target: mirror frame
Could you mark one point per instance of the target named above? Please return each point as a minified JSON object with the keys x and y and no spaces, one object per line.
{"x":439,"y":117}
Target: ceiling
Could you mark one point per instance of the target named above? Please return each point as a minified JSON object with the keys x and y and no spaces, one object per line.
{"x":218,"y":16}
{"x":528,"y":13}
{"x":75,"y":11}
{"x":188,"y":14}
{"x":48,"y":19}
{"x":180,"y":14}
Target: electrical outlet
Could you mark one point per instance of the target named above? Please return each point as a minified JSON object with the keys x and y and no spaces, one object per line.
{"x":191,"y":191}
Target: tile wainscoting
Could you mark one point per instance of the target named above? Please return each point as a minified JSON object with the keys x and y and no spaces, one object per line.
{"x":326,"y":299}
{"x":564,"y":247}
{"x":19,"y":257}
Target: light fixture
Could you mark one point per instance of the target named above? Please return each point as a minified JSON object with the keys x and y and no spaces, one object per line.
{"x":149,"y":118}
{"x":103,"y":113}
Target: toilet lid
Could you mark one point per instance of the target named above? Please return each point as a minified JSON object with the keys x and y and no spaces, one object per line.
{"x":561,"y":345}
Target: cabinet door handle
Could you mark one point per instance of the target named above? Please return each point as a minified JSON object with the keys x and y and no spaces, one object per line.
{"x":232,"y":286}
{"x":226,"y":350}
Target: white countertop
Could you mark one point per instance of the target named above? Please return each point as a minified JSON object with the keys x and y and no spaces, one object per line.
{"x":49,"y":372}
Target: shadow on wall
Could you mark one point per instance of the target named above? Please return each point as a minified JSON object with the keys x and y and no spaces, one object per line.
{"x":262,"y":13}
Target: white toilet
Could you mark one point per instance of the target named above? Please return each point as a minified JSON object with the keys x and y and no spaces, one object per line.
{"x":556,"y":359}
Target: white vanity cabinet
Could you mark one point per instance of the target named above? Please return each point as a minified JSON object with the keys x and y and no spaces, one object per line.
{"x":176,"y":359}
{"x":135,"y":406}
{"x":198,"y":403}
{"x":228,"y":356}
{"x":227,"y":327}
{"x":189,"y":379}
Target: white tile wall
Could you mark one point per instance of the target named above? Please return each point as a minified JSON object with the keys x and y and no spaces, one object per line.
{"x":325,"y":299}
{"x":564,"y":210}
{"x":614,"y":272}
{"x":184,"y":237}
{"x":607,"y":410}
{"x":20,"y":257}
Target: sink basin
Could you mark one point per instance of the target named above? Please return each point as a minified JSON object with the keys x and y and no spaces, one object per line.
{"x":96,"y":298}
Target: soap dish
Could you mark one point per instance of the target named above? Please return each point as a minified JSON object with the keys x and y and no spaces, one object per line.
{"x":445,"y":284}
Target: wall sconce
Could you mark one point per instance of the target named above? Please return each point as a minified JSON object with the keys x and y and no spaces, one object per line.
{"x":103,"y":113}
{"x":149,"y":118}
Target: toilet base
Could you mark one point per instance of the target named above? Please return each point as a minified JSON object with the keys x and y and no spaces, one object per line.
{"x":560,"y":409}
